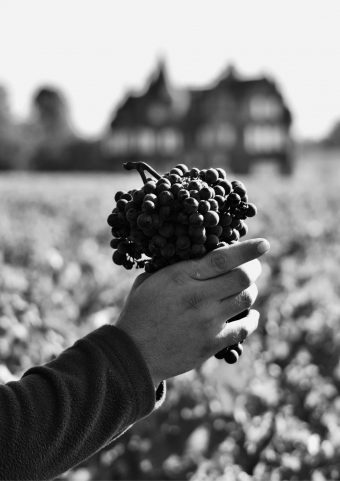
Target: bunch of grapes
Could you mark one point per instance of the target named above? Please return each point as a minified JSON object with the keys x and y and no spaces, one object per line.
{"x":181,"y":215}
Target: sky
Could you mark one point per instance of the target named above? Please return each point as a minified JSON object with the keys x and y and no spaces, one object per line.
{"x":97,"y":50}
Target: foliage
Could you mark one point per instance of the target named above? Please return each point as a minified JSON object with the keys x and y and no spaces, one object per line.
{"x":272,"y":416}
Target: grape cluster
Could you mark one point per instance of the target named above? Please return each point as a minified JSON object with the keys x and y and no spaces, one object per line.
{"x":181,"y":215}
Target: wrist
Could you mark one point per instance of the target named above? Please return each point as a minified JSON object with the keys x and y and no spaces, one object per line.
{"x":155,"y":377}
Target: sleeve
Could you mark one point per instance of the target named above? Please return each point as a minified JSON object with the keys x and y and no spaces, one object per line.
{"x":60,"y":413}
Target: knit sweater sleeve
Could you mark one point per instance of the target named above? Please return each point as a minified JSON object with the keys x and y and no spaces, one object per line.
{"x":62,"y":412}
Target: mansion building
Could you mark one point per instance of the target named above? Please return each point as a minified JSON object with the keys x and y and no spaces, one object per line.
{"x":234,"y":123}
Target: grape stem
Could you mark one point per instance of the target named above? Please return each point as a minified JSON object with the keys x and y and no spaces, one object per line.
{"x":140,"y":167}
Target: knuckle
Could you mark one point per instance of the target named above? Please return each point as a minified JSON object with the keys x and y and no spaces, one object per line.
{"x":247,"y":298}
{"x":244,"y":278}
{"x":194,"y":269}
{"x":219,"y":261}
{"x":192,"y":301}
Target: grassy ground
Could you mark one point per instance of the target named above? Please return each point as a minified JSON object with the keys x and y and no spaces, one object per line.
{"x":275,"y":415}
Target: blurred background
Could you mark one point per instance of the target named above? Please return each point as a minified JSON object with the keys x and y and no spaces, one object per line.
{"x":251,"y":86}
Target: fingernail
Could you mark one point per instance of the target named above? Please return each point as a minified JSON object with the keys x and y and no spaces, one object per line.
{"x":263,"y":246}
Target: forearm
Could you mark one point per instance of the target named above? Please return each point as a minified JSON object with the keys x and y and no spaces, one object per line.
{"x":63,"y":412}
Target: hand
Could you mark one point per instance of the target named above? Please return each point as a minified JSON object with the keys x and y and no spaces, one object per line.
{"x":177,"y":316}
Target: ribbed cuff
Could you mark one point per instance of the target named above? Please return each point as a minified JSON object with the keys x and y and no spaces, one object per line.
{"x":115,"y":343}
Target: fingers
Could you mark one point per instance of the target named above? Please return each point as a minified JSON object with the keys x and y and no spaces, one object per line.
{"x":237,"y":331}
{"x":227,"y":285}
{"x":231,"y":306}
{"x":223,"y":260}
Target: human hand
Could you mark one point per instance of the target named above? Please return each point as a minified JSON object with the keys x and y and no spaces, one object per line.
{"x":177,"y":316}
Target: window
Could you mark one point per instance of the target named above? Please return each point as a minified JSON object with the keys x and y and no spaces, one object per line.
{"x":264,"y":138}
{"x":264,"y":107}
{"x":218,"y":135}
{"x":119,"y":141}
{"x":146,"y":141}
{"x":169,"y":140}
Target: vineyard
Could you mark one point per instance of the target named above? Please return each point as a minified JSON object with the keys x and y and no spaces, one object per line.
{"x":275,"y":415}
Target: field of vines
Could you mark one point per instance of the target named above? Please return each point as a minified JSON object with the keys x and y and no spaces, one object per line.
{"x":275,"y":415}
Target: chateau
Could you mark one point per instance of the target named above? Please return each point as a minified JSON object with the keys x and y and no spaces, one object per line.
{"x":234,"y":123}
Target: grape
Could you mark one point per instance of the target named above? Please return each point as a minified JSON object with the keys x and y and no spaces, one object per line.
{"x":226,"y":185}
{"x":118,"y":195}
{"x":225,"y":220}
{"x":198,"y":250}
{"x":231,"y":356}
{"x":148,"y":206}
{"x":183,"y":194}
{"x":183,"y":242}
{"x":212,"y":241}
{"x":211,"y":219}
{"x":174,"y":178}
{"x":168,"y":251}
{"x":181,"y":229}
{"x":203,"y":206}
{"x":128,"y":264}
{"x":118,"y":258}
{"x":178,"y":216}
{"x":216,"y":230}
{"x":149,"y":187}
{"x":164,"y":212}
{"x":219,"y":190}
{"x":238,"y":348}
{"x":197,"y":233}
{"x":165,"y":197}
{"x":182,"y":167}
{"x":221,"y":173}
{"x":138,"y":197}
{"x":239,"y":188}
{"x":196,"y":219}
{"x":194,"y":185}
{"x":144,"y":221}
{"x":126,"y":196}
{"x":190,"y":205}
{"x":194,"y":172}
{"x":123,"y":247}
{"x":202,"y":174}
{"x":213,"y":204}
{"x":121,"y":204}
{"x":195,"y":194}
{"x":159,"y":240}
{"x":234,"y":199}
{"x":163,"y":186}
{"x":243,"y":230}
{"x":205,"y":193}
{"x":182,"y":218}
{"x":176,"y":171}
{"x":175,"y":188}
{"x":251,"y":210}
{"x":235,"y":223}
{"x":167,"y":229}
{"x":220,"y":201}
{"x":113,"y":220}
{"x":211,"y":176}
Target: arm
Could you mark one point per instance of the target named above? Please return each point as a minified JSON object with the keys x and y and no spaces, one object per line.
{"x":61,"y":413}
